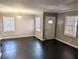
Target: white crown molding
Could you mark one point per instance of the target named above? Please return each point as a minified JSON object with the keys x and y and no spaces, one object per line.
{"x":68,"y":10}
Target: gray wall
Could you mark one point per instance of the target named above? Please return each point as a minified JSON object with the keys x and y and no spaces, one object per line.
{"x":60,"y":29}
{"x":23,"y":27}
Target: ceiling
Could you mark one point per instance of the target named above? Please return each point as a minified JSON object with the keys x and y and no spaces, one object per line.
{"x":35,"y":6}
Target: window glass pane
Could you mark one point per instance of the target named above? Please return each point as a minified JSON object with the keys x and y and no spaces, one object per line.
{"x":37,"y":24}
{"x":70,"y":26}
{"x":8,"y":24}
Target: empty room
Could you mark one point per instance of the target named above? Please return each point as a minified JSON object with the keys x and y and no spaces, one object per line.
{"x":38,"y":29}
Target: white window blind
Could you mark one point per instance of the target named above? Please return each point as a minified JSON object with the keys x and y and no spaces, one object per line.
{"x":8,"y":24}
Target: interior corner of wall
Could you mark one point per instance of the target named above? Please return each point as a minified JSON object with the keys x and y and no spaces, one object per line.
{"x":38,"y":37}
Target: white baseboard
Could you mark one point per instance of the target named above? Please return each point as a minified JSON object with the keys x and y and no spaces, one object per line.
{"x":66,"y":43}
{"x":16,"y":36}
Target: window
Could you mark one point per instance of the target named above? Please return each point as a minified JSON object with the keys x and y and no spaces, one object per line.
{"x":8,"y":24}
{"x":70,"y":26}
{"x":37,"y":24}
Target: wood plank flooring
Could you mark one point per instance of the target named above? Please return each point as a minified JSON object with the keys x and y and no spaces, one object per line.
{"x":33,"y":48}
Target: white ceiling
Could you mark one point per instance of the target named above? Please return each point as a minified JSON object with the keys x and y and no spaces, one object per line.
{"x":34,"y":6}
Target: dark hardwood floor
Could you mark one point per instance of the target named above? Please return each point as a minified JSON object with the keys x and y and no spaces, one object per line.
{"x":33,"y":48}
